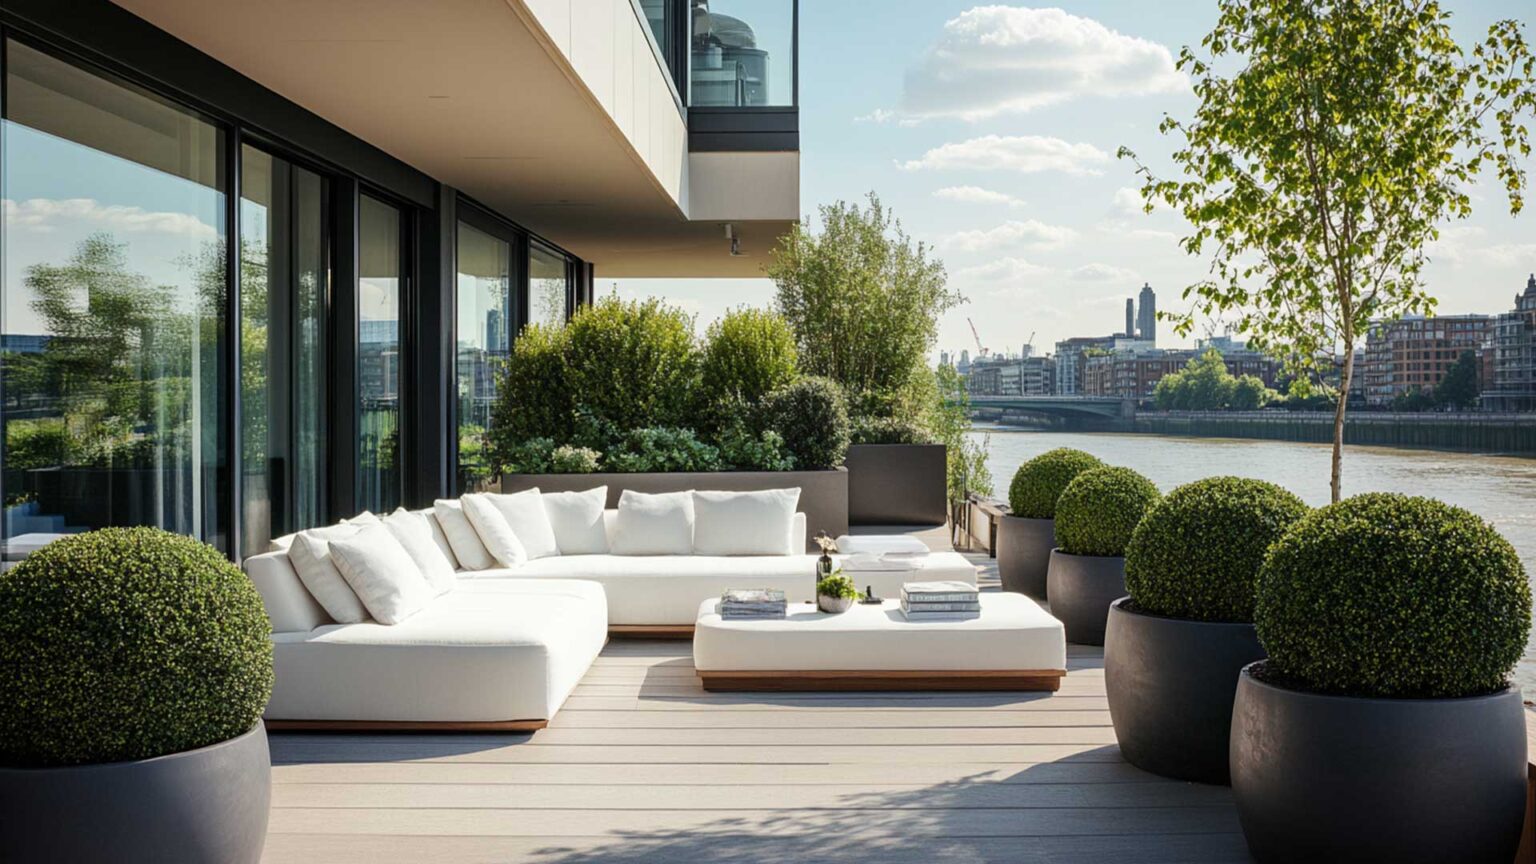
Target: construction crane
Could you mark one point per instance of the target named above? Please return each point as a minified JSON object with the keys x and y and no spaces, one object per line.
{"x":981,"y":350}
{"x":1029,"y":347}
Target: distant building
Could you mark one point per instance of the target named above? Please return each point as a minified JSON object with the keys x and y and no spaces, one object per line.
{"x":1130,"y":317}
{"x":1146,"y":317}
{"x":1012,"y":376}
{"x":964,"y":366}
{"x":1513,"y":385}
{"x":1414,"y":353}
{"x":1134,"y":373}
{"x":1070,"y":354}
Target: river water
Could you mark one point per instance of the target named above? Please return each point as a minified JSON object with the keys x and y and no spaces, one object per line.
{"x":1498,"y":488}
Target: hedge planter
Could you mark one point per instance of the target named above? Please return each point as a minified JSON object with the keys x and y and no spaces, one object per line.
{"x":1024,"y":553}
{"x":1080,"y":588}
{"x":1342,"y":778}
{"x":897,"y":484}
{"x":1170,"y":684}
{"x":204,"y":806}
{"x":823,"y":494}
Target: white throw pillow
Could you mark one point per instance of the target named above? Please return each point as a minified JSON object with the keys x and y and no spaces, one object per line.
{"x":414,"y":533}
{"x":524,"y":511}
{"x":654,"y":524}
{"x":494,"y":530}
{"x":438,"y":536}
{"x":382,"y":574}
{"x":744,"y":523}
{"x":467,"y":548}
{"x":310,"y":555}
{"x":364,"y":518}
{"x":577,"y":520}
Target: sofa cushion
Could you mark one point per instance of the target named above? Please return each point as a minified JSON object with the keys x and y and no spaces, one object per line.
{"x":493,"y":649}
{"x":744,"y":523}
{"x":311,"y":557}
{"x":438,"y":537}
{"x":382,"y":574}
{"x":524,"y":513}
{"x":653,"y":524}
{"x":414,"y":533}
{"x":497,"y":535}
{"x":468,"y":550}
{"x":577,"y":520}
{"x":290,"y":606}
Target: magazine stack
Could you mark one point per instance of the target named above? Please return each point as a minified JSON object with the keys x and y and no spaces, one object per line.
{"x":940,"y":601}
{"x":752,"y":604}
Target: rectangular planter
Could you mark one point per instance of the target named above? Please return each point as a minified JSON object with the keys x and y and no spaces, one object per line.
{"x":823,"y":494}
{"x":897,"y":484}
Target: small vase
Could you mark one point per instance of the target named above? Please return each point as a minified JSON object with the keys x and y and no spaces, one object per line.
{"x":835,"y":605}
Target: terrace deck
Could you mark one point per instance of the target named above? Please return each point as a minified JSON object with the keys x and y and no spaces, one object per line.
{"x":643,"y":765}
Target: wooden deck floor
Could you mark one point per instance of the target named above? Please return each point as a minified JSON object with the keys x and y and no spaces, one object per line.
{"x":643,"y":766}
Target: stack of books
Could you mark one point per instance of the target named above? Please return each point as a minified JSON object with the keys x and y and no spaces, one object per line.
{"x":752,"y":604}
{"x":940,"y":601}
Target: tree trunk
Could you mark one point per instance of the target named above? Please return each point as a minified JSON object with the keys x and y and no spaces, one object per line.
{"x":1345,"y":379}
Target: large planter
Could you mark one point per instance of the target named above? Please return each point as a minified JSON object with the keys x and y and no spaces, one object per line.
{"x":1024,"y":554}
{"x":1080,"y":588}
{"x":204,"y":806}
{"x":1170,"y":683}
{"x":897,"y":484}
{"x":823,"y":494}
{"x":1340,"y":778}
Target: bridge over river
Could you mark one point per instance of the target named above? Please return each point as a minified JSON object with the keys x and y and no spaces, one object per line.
{"x":1096,"y":409}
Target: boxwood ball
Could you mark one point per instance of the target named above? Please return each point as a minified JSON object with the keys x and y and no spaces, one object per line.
{"x":1393,"y":596}
{"x":128,"y":643}
{"x":1100,"y":509}
{"x":1040,"y":481}
{"x":1197,"y":552}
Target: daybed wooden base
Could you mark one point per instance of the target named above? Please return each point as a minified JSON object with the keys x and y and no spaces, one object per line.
{"x":835,"y":680}
{"x":405,"y":726}
{"x":650,"y":631}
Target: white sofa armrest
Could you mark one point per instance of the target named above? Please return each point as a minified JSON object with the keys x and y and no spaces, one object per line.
{"x":289,"y":604}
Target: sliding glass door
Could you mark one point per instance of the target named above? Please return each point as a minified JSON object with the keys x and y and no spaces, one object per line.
{"x":284,"y":287}
{"x":486,"y":319}
{"x":380,"y":298}
{"x":549,"y":285}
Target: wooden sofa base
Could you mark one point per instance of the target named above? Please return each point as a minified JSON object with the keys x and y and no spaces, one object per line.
{"x":405,"y":726}
{"x":650,"y":631}
{"x":877,"y":680}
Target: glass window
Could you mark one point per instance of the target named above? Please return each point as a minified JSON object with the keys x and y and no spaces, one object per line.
{"x":284,"y":274}
{"x":113,"y":293}
{"x":379,"y":294}
{"x":743,"y":53}
{"x":548,"y":285}
{"x":485,"y":319}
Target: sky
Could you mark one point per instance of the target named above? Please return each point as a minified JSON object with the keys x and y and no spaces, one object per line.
{"x":991,"y":132}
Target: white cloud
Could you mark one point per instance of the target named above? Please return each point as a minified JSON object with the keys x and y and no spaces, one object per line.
{"x":1026,"y":154}
{"x":1511,"y":254}
{"x":1003,"y":269}
{"x":1101,"y":273}
{"x":44,"y":215}
{"x":977,"y":195}
{"x":993,"y":60}
{"x":1012,"y":234}
{"x":1128,"y":202}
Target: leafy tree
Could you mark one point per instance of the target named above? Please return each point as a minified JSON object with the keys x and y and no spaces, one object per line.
{"x":1413,"y":400}
{"x":1316,"y":171}
{"x":748,"y":354}
{"x":1250,"y":394}
{"x":863,"y":300}
{"x":633,"y":364}
{"x":967,"y":458}
{"x":1459,"y":388}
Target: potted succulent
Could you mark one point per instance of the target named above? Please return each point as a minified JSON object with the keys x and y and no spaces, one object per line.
{"x":1027,"y":534}
{"x":135,"y":665}
{"x":1095,"y":517}
{"x":1174,"y":647}
{"x":836,"y":593}
{"x":1383,"y":726}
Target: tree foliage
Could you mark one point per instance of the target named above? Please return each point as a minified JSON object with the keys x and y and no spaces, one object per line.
{"x":748,"y":354}
{"x":1205,"y":385}
{"x":1315,"y":173}
{"x":1459,"y":387}
{"x":966,"y":457}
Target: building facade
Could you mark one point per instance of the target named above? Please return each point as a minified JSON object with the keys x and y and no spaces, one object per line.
{"x":1012,"y":376}
{"x":1134,"y":373}
{"x":1512,"y":386}
{"x":1413,"y":354}
{"x":1072,"y":355}
{"x":260,"y":266}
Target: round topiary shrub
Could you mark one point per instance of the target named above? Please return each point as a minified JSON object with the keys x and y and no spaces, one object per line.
{"x":1197,"y":552}
{"x":747,"y":354}
{"x":812,"y":418}
{"x":1039,"y":482}
{"x":1099,"y":510}
{"x":128,"y":643}
{"x":1393,"y":596}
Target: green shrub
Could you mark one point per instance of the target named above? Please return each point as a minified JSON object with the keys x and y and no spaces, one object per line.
{"x":37,"y":443}
{"x":633,"y":364}
{"x":1392,"y":596}
{"x":533,"y":397}
{"x":743,"y":450}
{"x":866,"y":429}
{"x":1197,"y":552}
{"x":663,"y":449}
{"x":1040,"y":481}
{"x":836,"y":585}
{"x":128,"y":643}
{"x":1099,"y":510}
{"x":812,"y":417}
{"x":566,"y":459}
{"x":747,"y":354}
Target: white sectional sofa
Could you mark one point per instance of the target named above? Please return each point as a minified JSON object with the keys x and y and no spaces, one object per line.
{"x":506,"y":645}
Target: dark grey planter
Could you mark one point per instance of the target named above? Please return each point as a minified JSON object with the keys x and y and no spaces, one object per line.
{"x":1080,"y":588}
{"x":1170,"y":683}
{"x":897,"y":484}
{"x":823,"y":494}
{"x":1340,"y":778}
{"x":204,"y":806}
{"x":1024,"y":554}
